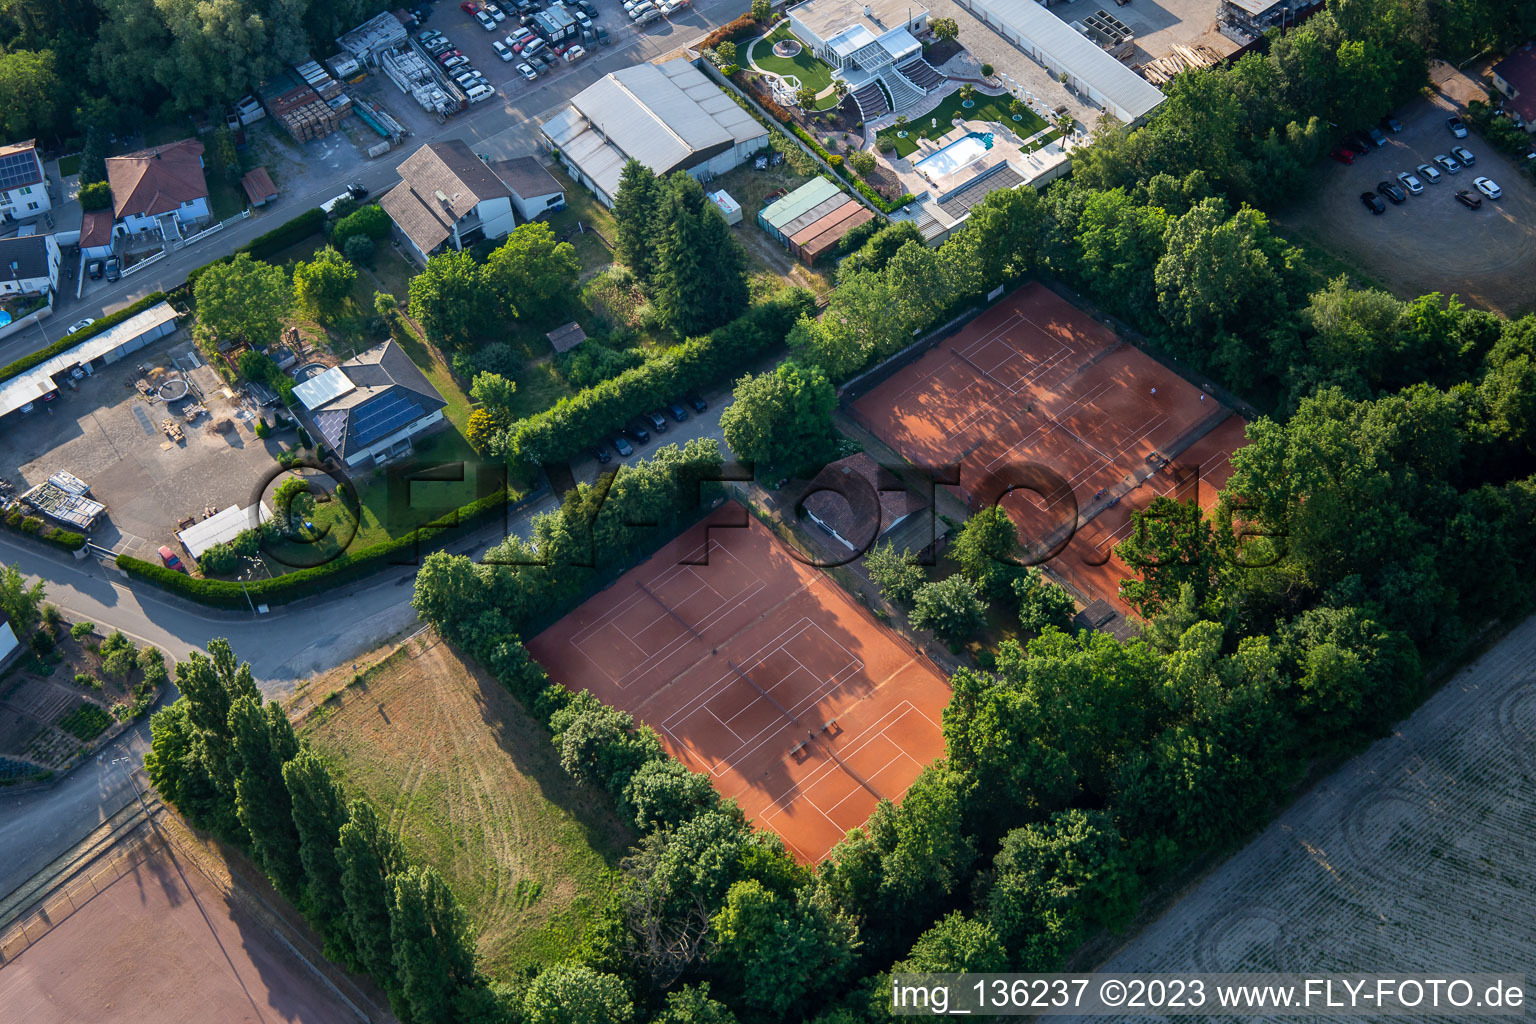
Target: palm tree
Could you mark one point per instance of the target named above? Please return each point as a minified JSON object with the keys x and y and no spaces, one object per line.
{"x":840,"y":87}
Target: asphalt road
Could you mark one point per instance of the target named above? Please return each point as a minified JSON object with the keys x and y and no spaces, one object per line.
{"x":289,"y":643}
{"x":499,"y":128}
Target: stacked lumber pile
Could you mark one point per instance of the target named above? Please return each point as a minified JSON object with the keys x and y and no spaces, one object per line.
{"x":1181,"y":59}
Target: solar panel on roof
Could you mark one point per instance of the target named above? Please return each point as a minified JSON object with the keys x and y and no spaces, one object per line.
{"x":18,"y":169}
{"x":331,"y":425}
{"x":316,"y":391}
{"x":383,"y":416}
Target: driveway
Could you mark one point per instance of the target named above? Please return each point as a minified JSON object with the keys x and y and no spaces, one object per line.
{"x":1431,"y":242}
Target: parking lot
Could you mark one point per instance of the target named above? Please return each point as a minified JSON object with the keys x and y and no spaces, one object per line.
{"x":111,"y":437}
{"x":1430,"y":242}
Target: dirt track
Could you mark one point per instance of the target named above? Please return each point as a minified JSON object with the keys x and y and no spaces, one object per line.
{"x":1416,"y":855}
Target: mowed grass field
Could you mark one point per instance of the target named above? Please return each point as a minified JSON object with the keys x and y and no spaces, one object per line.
{"x":473,"y":787}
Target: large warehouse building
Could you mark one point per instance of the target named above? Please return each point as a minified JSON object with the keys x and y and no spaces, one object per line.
{"x":1063,"y":50}
{"x":668,"y":116}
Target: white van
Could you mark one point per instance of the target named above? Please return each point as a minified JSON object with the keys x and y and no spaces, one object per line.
{"x":476,"y":93}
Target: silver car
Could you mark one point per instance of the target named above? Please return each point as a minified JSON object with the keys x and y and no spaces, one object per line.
{"x":1409,"y":182}
{"x":1447,"y":164}
{"x":1429,"y":173}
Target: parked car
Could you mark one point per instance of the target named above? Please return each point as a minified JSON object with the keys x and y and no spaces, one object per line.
{"x":622,"y":446}
{"x":486,"y":21}
{"x":170,"y":561}
{"x":1409,"y":182}
{"x":469,"y":6}
{"x":1391,"y":191}
{"x":1469,"y":199}
{"x":588,"y":7}
{"x":469,"y":78}
{"x":574,"y":54}
{"x":601,"y":454}
{"x":1343,"y":154}
{"x":1447,"y":164}
{"x":357,"y":191}
{"x":601,"y":34}
{"x":1376,"y":136}
{"x":1360,"y":143}
{"x":636,"y":433}
{"x":1488,"y":187}
{"x":94,"y":268}
{"x":502,"y":50}
{"x":482,"y":91}
{"x":1463,"y":154}
{"x":526,"y":71}
{"x":439,"y":47}
{"x":449,"y":54}
{"x":1428,"y":173}
{"x":677,"y":411}
{"x":1457,"y":126}
{"x":496,"y":13}
{"x":114,"y":269}
{"x":1373,"y":202}
{"x":697,"y":401}
{"x":80,"y":325}
{"x":430,"y":37}
{"x":658,"y":421}
{"x":1392,"y":124}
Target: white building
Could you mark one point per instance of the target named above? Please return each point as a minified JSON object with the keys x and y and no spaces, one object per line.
{"x":29,"y":265}
{"x":447,"y":196}
{"x":873,"y":47}
{"x":670,"y":117}
{"x":371,"y":407}
{"x":160,"y":192}
{"x":534,"y":190}
{"x":1063,"y":50}
{"x":23,"y":186}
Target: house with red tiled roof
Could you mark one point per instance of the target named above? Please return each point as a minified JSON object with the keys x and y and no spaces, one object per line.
{"x":1515,"y":77}
{"x":160,"y":191}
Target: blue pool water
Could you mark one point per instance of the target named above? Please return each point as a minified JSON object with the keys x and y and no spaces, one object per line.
{"x":958,"y":154}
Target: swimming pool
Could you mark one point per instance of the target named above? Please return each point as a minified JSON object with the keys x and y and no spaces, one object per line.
{"x":958,"y":154}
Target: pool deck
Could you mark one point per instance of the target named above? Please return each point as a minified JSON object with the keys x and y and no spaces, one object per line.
{"x":1006,"y":146}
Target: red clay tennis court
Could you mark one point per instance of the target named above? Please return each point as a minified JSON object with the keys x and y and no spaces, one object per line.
{"x":1035,"y":381}
{"x":760,"y":672}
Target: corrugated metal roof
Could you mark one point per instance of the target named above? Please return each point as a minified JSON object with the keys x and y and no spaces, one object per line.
{"x":1071,"y":50}
{"x":816,"y":213}
{"x":222,"y":527}
{"x":825,"y":223}
{"x":33,"y":384}
{"x":812,"y":193}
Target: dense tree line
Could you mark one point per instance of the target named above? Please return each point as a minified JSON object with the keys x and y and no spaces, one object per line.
{"x":73,"y":69}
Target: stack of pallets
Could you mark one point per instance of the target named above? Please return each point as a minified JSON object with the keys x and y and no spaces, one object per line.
{"x":1178,"y":61}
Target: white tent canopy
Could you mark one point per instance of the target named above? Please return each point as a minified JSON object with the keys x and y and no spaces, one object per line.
{"x":221,"y":527}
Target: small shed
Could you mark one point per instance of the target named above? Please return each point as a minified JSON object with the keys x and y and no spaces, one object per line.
{"x":566,"y":338}
{"x":815,"y":193}
{"x":534,"y":190}
{"x":258,"y":186}
{"x":729,"y":208}
{"x":373,"y":37}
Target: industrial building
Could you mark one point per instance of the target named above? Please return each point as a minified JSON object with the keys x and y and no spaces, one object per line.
{"x":1062,"y":50}
{"x":670,"y":117}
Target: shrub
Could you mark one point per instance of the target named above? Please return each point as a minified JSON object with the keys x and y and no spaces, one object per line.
{"x":359,"y":250}
{"x":862,"y":162}
{"x":369,"y":221}
{"x":89,"y":682}
{"x":86,"y":722}
{"x":96,"y":196}
{"x":734,"y":31}
{"x":81,"y":630}
{"x":986,"y":71}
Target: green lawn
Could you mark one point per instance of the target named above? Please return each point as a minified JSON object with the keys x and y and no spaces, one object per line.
{"x":472,"y":786}
{"x":986,"y":108}
{"x":805,"y":66}
{"x":69,"y":165}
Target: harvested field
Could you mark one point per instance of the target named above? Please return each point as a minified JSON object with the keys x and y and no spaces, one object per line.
{"x":472,"y":785}
{"x":1070,"y":429}
{"x":1414,"y":856}
{"x":760,"y":672}
{"x":151,"y":939}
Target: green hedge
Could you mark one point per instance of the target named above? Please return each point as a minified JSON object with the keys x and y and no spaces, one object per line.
{"x":69,"y":341}
{"x":32,"y":526}
{"x":301,"y":582}
{"x":583,"y":418}
{"x":264,"y":247}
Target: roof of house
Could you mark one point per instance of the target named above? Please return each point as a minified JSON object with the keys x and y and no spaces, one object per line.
{"x":667,"y":116}
{"x":258,"y":185}
{"x":851,"y":513}
{"x":526,"y":177}
{"x":1519,"y":70}
{"x":827,"y":18}
{"x":28,"y":252}
{"x":449,"y":168}
{"x":158,"y":180}
{"x":96,"y":229}
{"x":387,"y":392}
{"x":19,"y":165}
{"x":1068,"y":49}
